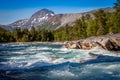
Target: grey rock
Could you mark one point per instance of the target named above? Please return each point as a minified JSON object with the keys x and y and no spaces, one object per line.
{"x":55,"y":21}
{"x":107,"y":42}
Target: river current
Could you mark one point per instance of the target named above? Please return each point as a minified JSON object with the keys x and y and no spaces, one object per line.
{"x":51,"y":62}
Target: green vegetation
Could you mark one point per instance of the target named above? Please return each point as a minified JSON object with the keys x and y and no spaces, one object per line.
{"x":102,"y":23}
{"x":48,"y":26}
{"x":26,"y":35}
{"x":5,"y":36}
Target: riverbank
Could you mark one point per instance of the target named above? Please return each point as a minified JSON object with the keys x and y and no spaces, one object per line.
{"x":11,"y":43}
{"x":110,"y":42}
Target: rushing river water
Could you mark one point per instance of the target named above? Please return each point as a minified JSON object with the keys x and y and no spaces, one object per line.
{"x":50,"y":62}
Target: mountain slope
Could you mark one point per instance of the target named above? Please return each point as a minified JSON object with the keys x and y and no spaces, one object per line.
{"x":19,"y":23}
{"x":36,"y":19}
{"x":2,"y":29}
{"x":63,"y":19}
{"x":39,"y":18}
{"x":49,"y":20}
{"x":6,"y":27}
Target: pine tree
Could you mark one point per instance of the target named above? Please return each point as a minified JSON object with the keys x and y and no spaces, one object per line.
{"x":117,"y":6}
{"x":32,"y":34}
{"x":100,"y":17}
{"x":25,"y":38}
{"x":38,"y":36}
{"x":17,"y":34}
{"x":84,"y":27}
{"x":78,"y":28}
{"x":92,"y":28}
{"x":112,"y":23}
{"x":87,"y":17}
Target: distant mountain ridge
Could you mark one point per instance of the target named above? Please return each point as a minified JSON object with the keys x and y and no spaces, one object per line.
{"x":36,"y":19}
{"x":6,"y":27}
{"x":49,"y":20}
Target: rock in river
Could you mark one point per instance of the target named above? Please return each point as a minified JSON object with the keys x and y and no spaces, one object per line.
{"x":108,"y":42}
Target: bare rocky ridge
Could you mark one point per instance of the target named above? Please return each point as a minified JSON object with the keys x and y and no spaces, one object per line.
{"x":49,"y":18}
{"x":108,"y":42}
{"x":6,"y":27}
{"x":39,"y":18}
{"x":19,"y":23}
{"x":35,"y":20}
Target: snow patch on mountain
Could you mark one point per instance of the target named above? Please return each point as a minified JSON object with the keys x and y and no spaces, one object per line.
{"x":48,"y":18}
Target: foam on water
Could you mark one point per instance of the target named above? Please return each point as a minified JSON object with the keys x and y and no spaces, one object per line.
{"x":51,"y":62}
{"x":45,"y":54}
{"x":97,"y":50}
{"x":59,"y":74}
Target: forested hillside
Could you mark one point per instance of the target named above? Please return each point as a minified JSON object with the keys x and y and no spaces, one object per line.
{"x":102,"y":23}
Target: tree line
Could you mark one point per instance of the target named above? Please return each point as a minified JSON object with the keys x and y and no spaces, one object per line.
{"x":99,"y":23}
{"x":26,"y":35}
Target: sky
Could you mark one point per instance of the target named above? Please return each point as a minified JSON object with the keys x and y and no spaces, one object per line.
{"x":12,"y":10}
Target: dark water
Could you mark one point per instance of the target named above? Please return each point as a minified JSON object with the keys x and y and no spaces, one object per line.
{"x":50,"y":62}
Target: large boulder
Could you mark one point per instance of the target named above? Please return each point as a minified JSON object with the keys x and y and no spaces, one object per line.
{"x":72,"y":45}
{"x":107,"y":42}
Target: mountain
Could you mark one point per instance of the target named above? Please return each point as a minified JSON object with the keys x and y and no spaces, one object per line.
{"x":36,"y":19}
{"x":49,"y":20}
{"x":6,"y":27}
{"x":19,"y":23}
{"x":2,"y":29}
{"x":62,"y":19}
{"x":39,"y":18}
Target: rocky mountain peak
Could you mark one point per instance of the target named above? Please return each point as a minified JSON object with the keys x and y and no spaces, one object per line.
{"x":40,"y":17}
{"x":49,"y":20}
{"x":43,"y":13}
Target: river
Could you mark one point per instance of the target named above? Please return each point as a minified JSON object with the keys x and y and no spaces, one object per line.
{"x":50,"y":62}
